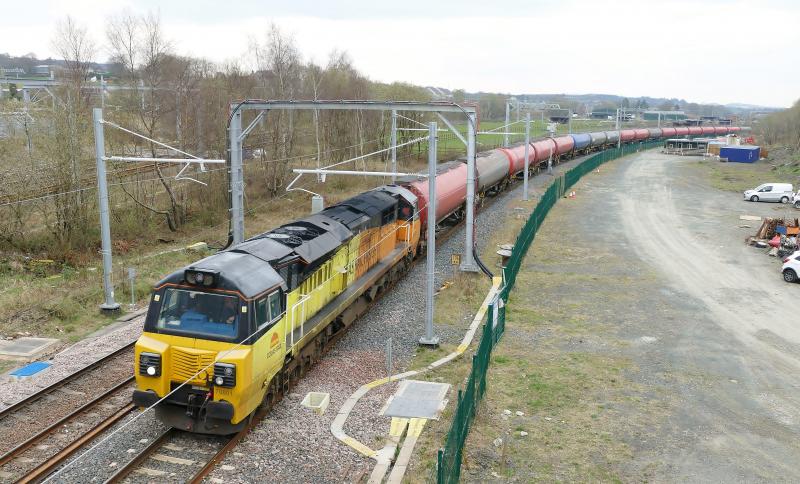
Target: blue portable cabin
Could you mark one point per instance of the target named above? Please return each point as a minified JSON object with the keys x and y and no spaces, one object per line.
{"x":740,"y":154}
{"x":582,"y":140}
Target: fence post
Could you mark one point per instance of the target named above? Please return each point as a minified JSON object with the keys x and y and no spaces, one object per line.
{"x":439,"y":469}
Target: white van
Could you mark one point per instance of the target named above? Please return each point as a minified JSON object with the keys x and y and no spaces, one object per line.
{"x":770,"y":192}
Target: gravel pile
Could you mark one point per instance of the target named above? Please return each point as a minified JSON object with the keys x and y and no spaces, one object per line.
{"x":70,"y":360}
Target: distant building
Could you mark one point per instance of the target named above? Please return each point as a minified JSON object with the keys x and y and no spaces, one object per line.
{"x":664,"y":115}
{"x":603,"y":113}
{"x":626,"y":114}
{"x":12,"y":72}
{"x":559,"y":115}
{"x":42,"y":70}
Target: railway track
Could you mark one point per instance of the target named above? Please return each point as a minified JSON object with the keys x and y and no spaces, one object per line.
{"x":180,"y":456}
{"x":63,"y":400}
{"x":41,"y":454}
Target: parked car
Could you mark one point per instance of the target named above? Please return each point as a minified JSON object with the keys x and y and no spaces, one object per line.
{"x":771,"y":192}
{"x":796,"y":199}
{"x":791,"y":267}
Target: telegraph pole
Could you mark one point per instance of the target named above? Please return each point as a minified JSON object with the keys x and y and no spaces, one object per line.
{"x":109,"y":304}
{"x":468,"y":264}
{"x":508,"y":120}
{"x":527,"y":147}
{"x":394,"y":145}
{"x":429,"y":339}
{"x":237,"y":182}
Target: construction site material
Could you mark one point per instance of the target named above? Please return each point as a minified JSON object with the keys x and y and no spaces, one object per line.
{"x":769,"y":227}
{"x":740,"y":154}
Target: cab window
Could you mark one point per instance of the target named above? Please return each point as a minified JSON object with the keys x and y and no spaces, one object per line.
{"x":275,"y":305}
{"x":262,"y":313}
{"x":199,"y":314}
{"x":766,"y":189}
{"x":268,"y":309}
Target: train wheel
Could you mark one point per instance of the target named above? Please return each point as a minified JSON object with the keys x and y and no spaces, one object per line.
{"x":269,"y":399}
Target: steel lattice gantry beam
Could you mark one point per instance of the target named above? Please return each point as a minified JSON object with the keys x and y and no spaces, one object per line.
{"x":237,"y":135}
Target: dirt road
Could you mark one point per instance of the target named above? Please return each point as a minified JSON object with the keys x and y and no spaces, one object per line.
{"x":652,"y":344}
{"x":747,"y":328}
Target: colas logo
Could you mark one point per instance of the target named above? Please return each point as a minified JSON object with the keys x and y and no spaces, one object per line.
{"x":274,"y":341}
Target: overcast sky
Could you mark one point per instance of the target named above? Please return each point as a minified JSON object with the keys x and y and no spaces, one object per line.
{"x":702,"y":51}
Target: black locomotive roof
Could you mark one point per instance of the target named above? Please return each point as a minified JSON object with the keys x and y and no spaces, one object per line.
{"x":265,"y":249}
{"x":310,"y":239}
{"x":362,"y":208}
{"x":247,"y":267}
{"x":238,"y":271}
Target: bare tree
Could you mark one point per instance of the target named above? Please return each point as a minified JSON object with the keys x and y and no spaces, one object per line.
{"x":63,"y":144}
{"x":139,"y":45}
{"x":73,"y":44}
{"x":279,"y":70}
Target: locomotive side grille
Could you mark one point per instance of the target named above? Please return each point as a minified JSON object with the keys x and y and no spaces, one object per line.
{"x":185,"y":363}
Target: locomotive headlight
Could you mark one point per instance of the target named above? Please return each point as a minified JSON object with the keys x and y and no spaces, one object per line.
{"x":149,"y":364}
{"x":225,"y":375}
{"x":201,"y":278}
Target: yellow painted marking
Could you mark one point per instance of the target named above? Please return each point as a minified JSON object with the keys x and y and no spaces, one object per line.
{"x":398,"y":426}
{"x":377,"y":383}
{"x":415,"y":426}
{"x":172,"y":460}
{"x":359,"y":447}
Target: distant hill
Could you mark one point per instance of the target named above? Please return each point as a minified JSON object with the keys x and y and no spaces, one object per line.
{"x":596,"y":100}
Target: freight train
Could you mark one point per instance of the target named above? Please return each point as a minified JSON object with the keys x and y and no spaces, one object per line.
{"x":235,"y":330}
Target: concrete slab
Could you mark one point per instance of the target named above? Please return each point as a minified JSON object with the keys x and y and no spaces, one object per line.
{"x":417,"y":399}
{"x":25,"y":347}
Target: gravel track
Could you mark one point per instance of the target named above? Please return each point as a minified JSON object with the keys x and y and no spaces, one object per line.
{"x":102,"y":461}
{"x":62,"y":436}
{"x":178,"y":459}
{"x":70,"y":360}
{"x":57,"y":404}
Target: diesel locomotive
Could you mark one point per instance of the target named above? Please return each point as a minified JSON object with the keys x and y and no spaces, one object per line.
{"x":236,"y":329}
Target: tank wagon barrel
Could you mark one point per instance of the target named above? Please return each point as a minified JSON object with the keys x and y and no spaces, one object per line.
{"x":581,"y":141}
{"x":599,"y":138}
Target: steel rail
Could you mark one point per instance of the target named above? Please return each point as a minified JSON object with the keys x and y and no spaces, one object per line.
{"x":15,"y":407}
{"x":53,"y":462}
{"x":156,"y":444}
{"x":22,"y":447}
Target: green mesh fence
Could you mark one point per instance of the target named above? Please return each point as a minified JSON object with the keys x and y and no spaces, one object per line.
{"x":448,"y":469}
